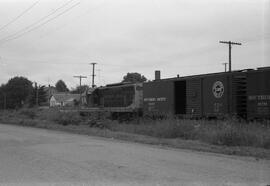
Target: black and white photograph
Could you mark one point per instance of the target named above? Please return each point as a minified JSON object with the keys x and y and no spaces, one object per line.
{"x":135,"y":92}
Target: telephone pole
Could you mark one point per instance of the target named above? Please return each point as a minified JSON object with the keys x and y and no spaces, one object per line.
{"x":225,"y":64}
{"x":93,"y":74}
{"x":80,"y":77}
{"x":230,"y":43}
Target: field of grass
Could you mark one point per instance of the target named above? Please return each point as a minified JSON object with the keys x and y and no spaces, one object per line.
{"x":227,"y":134}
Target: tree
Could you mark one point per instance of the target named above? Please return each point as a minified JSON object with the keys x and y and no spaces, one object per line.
{"x":2,"y":97}
{"x":17,"y":91}
{"x":134,"y":77}
{"x":61,"y":86}
{"x":38,"y":91}
{"x":79,"y":89}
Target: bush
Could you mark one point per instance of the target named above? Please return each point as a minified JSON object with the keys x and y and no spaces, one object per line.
{"x":172,"y":128}
{"x":217,"y":132}
{"x":231,"y":133}
{"x":50,"y":114}
{"x":65,"y":118}
{"x":30,"y":113}
{"x":266,"y":142}
{"x":28,"y":122}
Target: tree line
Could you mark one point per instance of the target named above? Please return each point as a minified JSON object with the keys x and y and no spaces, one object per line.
{"x":20,"y":92}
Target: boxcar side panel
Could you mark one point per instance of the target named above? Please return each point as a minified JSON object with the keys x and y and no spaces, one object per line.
{"x":194,"y":97}
{"x":216,"y":97}
{"x":158,"y":98}
{"x":258,"y":91}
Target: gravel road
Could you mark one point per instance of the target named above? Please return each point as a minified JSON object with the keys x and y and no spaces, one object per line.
{"x":30,"y":156}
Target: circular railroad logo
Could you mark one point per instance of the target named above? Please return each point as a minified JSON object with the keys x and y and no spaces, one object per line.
{"x":218,"y":89}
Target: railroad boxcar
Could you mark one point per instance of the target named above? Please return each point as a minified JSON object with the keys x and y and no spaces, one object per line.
{"x":192,"y":96}
{"x":210,"y":95}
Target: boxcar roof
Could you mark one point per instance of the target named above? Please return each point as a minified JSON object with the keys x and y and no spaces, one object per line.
{"x":213,"y":74}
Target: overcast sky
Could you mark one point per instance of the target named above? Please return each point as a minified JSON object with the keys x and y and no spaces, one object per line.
{"x":50,"y":40}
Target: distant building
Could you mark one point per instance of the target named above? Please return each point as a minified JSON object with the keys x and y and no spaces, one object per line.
{"x":50,"y":90}
{"x":64,"y":100}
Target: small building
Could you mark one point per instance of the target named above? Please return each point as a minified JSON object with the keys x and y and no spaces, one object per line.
{"x":64,"y":100}
{"x":50,"y":90}
{"x":87,"y":97}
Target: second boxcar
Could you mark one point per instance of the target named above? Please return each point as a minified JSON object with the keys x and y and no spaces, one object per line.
{"x":258,"y":93}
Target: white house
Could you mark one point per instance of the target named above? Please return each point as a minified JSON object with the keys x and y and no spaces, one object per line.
{"x":64,"y":99}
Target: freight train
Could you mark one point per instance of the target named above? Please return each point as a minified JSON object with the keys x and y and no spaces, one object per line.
{"x":242,"y":93}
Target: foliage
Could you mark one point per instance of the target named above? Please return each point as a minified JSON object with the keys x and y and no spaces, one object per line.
{"x":217,"y":132}
{"x":228,"y":132}
{"x":134,"y":77}
{"x":72,"y":118}
{"x":61,"y":86}
{"x":29,"y":113}
{"x":38,"y":91}
{"x":17,"y":91}
{"x":2,"y":96}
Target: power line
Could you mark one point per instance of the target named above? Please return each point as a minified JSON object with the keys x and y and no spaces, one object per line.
{"x":38,"y":23}
{"x":19,"y":16}
{"x":69,"y":23}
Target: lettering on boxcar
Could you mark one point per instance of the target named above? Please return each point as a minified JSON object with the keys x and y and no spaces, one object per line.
{"x":155,"y":99}
{"x":264,"y":103}
{"x":161,"y":99}
{"x":217,"y":107}
{"x":151,"y":106}
{"x":259,"y":97}
{"x":149,"y":99}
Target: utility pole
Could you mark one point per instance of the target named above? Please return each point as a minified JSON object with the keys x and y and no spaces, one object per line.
{"x":225,"y":64}
{"x":93,"y":74}
{"x":230,"y":43}
{"x":80,"y":77}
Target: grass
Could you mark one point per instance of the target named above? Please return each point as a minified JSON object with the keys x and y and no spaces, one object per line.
{"x":227,"y":132}
{"x":214,"y":135}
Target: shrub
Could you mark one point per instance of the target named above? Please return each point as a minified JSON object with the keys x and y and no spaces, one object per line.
{"x":28,"y":122}
{"x":65,"y":118}
{"x":228,"y":132}
{"x":49,"y":114}
{"x":30,"y":113}
{"x":266,"y":142}
{"x":231,"y":133}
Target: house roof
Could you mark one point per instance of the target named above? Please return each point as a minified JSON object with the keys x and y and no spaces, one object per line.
{"x":62,"y":97}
